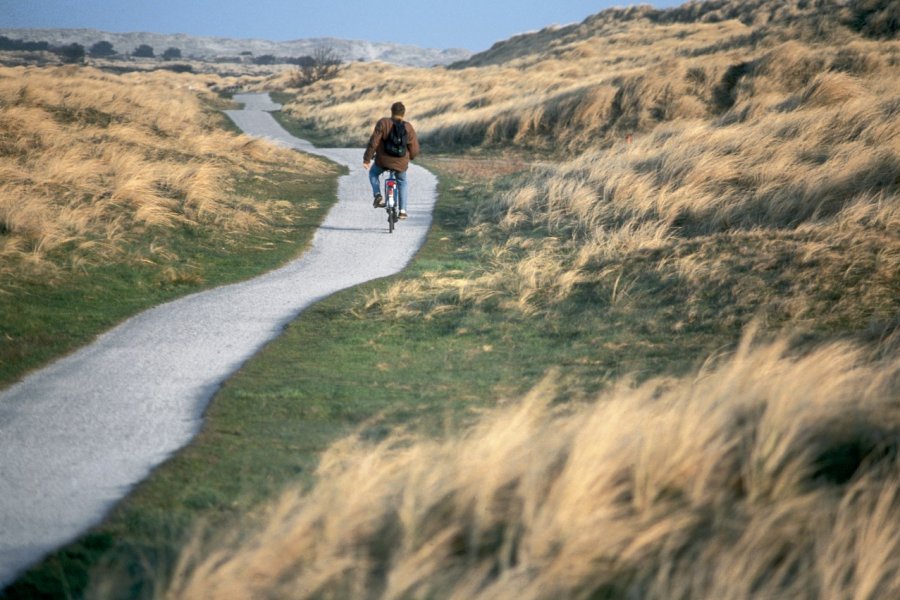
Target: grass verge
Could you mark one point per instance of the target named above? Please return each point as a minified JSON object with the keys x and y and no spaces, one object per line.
{"x":345,"y":366}
{"x":305,"y":129}
{"x":42,"y":318}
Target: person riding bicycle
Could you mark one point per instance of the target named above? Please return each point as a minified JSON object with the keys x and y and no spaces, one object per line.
{"x":393,"y":144}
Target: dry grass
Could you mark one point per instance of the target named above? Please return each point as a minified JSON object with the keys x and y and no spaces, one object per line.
{"x":593,"y":84}
{"x":763,"y":181}
{"x":90,"y":161}
{"x":785,"y":206}
{"x":569,"y":90}
{"x":767,"y":476}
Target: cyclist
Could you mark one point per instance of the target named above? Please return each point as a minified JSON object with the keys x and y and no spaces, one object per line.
{"x":391,"y":154}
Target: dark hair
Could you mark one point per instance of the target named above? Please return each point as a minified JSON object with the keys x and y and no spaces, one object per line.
{"x":397,"y":109}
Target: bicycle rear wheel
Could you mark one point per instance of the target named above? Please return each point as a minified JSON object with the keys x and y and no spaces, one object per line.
{"x":391,"y":220}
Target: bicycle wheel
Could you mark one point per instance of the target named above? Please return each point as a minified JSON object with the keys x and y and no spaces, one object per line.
{"x":390,"y":194}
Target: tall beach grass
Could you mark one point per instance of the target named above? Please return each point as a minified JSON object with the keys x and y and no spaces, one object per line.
{"x":730,"y":170}
{"x":765,"y":475}
{"x":90,"y":161}
{"x":757,"y":193}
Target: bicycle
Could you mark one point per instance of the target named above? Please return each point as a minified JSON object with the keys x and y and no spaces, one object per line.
{"x":392,"y":199}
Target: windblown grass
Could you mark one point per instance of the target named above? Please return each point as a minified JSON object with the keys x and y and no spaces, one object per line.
{"x":119,"y":192}
{"x":767,"y":476}
{"x":604,"y":232}
{"x":619,"y":72}
{"x":761,"y":186}
{"x":785,"y":207}
{"x":90,"y":162}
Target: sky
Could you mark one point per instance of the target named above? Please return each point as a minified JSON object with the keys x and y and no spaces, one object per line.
{"x":471,"y":24}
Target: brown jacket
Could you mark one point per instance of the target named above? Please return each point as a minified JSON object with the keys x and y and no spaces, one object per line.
{"x":382,"y":158}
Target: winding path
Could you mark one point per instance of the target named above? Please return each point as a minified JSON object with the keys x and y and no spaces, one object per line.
{"x":76,"y":436}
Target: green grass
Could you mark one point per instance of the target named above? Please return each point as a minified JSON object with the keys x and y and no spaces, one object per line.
{"x":42,"y":318}
{"x":224,"y":121}
{"x":306,"y":129}
{"x":339,"y":369}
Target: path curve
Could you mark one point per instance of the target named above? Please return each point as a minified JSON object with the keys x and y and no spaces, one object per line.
{"x":76,"y":436}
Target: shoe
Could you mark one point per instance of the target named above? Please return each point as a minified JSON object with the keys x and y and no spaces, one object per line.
{"x":402,"y":214}
{"x":379,"y":201}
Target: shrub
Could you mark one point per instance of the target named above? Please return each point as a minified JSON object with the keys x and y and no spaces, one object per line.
{"x":323,"y":64}
{"x":171,"y":54}
{"x":10,"y":44}
{"x":73,"y":53}
{"x":265,"y":59}
{"x":102,"y":49}
{"x":143,"y":51}
{"x":179,"y":68}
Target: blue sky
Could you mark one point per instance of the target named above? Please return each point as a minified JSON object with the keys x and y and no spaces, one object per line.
{"x":471,"y":24}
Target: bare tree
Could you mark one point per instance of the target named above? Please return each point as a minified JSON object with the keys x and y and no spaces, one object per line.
{"x":323,"y":64}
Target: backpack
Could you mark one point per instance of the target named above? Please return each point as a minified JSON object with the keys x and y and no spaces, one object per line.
{"x":397,"y":139}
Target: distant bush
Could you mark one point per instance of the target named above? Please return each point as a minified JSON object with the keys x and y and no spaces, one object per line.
{"x":271,"y":59}
{"x":323,"y":64}
{"x":73,"y":53}
{"x":143,"y":51}
{"x":101,"y":49}
{"x":265,"y":59}
{"x":171,"y":54}
{"x":19,"y":45}
{"x":299,"y":60}
{"x":10,"y":44}
{"x":178,"y":68}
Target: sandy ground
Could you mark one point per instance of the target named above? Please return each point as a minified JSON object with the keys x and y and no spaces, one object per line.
{"x":76,"y":436}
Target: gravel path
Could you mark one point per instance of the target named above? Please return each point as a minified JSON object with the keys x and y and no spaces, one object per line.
{"x":76,"y":436}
